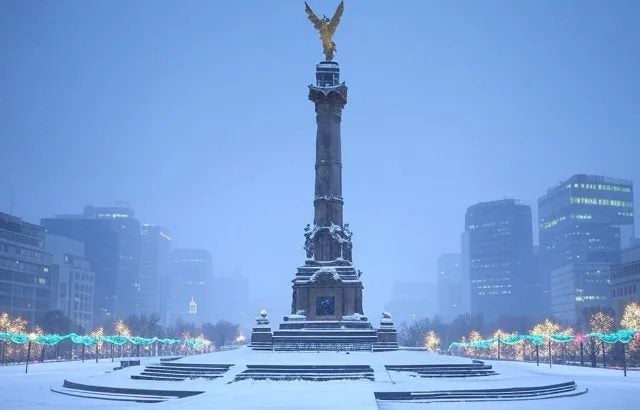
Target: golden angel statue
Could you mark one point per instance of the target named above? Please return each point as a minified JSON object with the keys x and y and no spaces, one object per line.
{"x":326,"y":28}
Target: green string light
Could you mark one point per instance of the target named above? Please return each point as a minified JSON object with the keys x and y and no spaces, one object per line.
{"x":21,"y":338}
{"x":622,"y":336}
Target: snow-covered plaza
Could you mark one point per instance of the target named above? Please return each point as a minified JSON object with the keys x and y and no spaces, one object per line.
{"x":605,"y":388}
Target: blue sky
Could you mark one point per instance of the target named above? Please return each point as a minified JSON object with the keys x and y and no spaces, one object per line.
{"x":196,"y":114}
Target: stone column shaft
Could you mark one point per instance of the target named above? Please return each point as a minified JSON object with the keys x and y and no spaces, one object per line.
{"x":328,"y":202}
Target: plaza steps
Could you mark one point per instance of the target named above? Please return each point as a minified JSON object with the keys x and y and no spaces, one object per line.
{"x":172,"y":371}
{"x":121,"y":394}
{"x":476,"y":369}
{"x":261,"y":345}
{"x":567,"y":389}
{"x":384,"y":346}
{"x":306,"y":372}
{"x":324,"y":339}
{"x":170,"y":359}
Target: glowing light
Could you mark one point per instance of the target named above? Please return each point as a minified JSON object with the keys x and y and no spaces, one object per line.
{"x":431,"y":341}
{"x":622,"y":336}
{"x":601,"y":322}
{"x":122,"y":329}
{"x":631,"y":317}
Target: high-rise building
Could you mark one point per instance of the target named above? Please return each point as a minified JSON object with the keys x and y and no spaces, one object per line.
{"x":190,"y":298}
{"x":156,"y":269}
{"x":111,"y":237}
{"x":580,"y":223}
{"x":466,"y":275}
{"x":450,"y":286}
{"x":501,"y":268}
{"x":625,"y":278}
{"x":76,"y":281}
{"x":28,"y":280}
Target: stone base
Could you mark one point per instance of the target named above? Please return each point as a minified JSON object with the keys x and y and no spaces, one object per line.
{"x":327,"y":291}
{"x":261,"y":338}
{"x":387,"y":336}
{"x":334,"y":335}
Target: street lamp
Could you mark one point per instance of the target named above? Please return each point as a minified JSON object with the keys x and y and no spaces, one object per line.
{"x":32,"y":337}
{"x":580,"y":338}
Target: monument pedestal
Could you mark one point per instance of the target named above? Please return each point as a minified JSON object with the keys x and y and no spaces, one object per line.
{"x":327,"y":291}
{"x":387,"y":335}
{"x":354,"y":333}
{"x":261,"y":336}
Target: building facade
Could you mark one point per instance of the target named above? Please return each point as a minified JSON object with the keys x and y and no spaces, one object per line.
{"x":76,"y":280}
{"x":501,"y":268}
{"x":156,"y":244}
{"x":190,"y":298}
{"x":580,"y":222}
{"x":450,"y":286}
{"x":111,"y":237}
{"x":28,"y":279}
{"x":625,"y":278}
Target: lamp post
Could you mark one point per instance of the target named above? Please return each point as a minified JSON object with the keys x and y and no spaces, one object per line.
{"x":580,"y":339}
{"x":624,"y":358}
{"x":32,"y":336}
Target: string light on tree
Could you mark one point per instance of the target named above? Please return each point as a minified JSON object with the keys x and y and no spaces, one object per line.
{"x":431,"y":341}
{"x":601,"y":322}
{"x":631,"y":317}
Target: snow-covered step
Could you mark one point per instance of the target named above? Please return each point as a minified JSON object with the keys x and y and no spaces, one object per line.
{"x":506,"y":394}
{"x":306,"y":377}
{"x":170,"y":359}
{"x":120,"y":393}
{"x":306,"y":372}
{"x":182,"y":371}
{"x":196,"y":365}
{"x":445,"y":370}
{"x":109,"y":396}
{"x":384,"y":346}
{"x":143,"y":376}
{"x":152,"y":369}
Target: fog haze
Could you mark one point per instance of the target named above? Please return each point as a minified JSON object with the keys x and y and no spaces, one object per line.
{"x":196,"y":115}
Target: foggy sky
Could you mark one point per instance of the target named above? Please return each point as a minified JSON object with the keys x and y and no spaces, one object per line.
{"x":196,"y":114}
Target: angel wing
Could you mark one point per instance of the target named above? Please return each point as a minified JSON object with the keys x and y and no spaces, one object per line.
{"x":317,"y":23}
{"x":335,"y":20}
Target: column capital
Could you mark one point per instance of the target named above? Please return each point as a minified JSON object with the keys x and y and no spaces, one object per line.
{"x":334,"y":96}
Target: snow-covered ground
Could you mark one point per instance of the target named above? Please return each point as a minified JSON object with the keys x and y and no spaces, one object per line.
{"x":608,"y":389}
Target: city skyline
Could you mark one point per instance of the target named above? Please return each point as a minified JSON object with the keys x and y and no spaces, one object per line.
{"x":217,"y":147}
